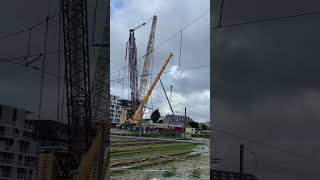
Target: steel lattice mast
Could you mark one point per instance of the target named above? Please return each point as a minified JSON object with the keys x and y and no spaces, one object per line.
{"x":101,"y":98}
{"x":75,"y":30}
{"x":133,"y":69}
{"x":148,"y":58}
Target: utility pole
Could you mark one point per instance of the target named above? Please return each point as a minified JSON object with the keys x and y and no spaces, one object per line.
{"x":185,"y":121}
{"x":241,"y":161}
{"x":141,"y":117}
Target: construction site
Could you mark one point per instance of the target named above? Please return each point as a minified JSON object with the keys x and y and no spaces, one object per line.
{"x":144,"y":147}
{"x":98,"y":134}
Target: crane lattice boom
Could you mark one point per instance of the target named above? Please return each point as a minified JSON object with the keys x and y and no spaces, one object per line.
{"x":148,"y":58}
{"x":133,"y":68}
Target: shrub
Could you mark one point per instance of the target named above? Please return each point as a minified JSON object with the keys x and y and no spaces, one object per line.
{"x":195,"y":172}
{"x":170,"y":172}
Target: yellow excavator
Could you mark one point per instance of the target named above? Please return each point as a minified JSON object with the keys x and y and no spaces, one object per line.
{"x":88,"y":165}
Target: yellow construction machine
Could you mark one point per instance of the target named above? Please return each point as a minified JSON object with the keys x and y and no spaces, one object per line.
{"x":135,"y":120}
{"x":88,"y":165}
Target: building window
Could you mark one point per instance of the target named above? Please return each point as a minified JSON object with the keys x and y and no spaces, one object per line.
{"x":2,"y":130}
{"x":21,"y":173}
{"x":6,"y":142}
{"x":24,"y":146}
{"x":6,"y":157}
{"x":0,"y":111}
{"x":20,"y":159}
{"x":30,"y":174}
{"x":14,"y":117}
{"x":5,"y":171}
{"x":15,"y":132}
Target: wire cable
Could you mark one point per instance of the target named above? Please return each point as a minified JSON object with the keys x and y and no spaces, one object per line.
{"x":254,"y":141}
{"x":266,"y":20}
{"x":170,"y":37}
{"x":184,"y":27}
{"x":94,"y":21}
{"x":26,"y":29}
{"x":43,"y":67}
{"x":182,"y":69}
{"x":59,"y":62}
{"x":180,"y":49}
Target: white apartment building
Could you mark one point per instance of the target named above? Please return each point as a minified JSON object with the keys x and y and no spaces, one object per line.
{"x":115,"y":109}
{"x":17,"y":145}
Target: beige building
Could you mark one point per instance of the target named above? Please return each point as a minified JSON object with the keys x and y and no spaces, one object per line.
{"x":190,"y":130}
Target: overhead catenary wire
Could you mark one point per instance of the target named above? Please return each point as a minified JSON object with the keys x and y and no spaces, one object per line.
{"x":182,"y":69}
{"x":28,"y":47}
{"x":255,"y":141}
{"x":180,"y":49}
{"x":37,"y":55}
{"x":173,"y":35}
{"x":173,"y":101}
{"x":59,"y":62}
{"x":30,"y":67}
{"x":26,"y":29}
{"x":220,"y":26}
{"x":43,"y":68}
{"x":94,"y":21}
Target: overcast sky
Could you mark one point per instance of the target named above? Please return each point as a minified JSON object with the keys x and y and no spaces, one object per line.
{"x":191,"y":87}
{"x":20,"y":86}
{"x":266,"y":87}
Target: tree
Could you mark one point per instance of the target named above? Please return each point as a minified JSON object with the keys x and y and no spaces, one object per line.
{"x":155,"y":116}
{"x":204,"y":126}
{"x":194,"y":124}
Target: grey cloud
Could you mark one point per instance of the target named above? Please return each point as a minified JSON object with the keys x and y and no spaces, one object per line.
{"x":171,"y":17}
{"x":266,"y":87}
{"x":20,"y":85}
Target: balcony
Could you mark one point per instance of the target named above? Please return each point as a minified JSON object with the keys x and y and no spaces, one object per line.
{"x":29,"y":127}
{"x":6,"y":161}
{"x":5,"y":147}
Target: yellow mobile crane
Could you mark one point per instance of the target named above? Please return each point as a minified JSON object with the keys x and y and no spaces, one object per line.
{"x":136,"y":118}
{"x":91,"y":158}
{"x":139,"y":112}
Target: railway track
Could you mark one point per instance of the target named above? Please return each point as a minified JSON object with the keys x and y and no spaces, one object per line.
{"x":132,"y":143}
{"x":143,"y":149}
{"x":133,"y":164}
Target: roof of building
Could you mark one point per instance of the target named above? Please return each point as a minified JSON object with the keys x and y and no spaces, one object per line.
{"x":16,"y":107}
{"x":124,"y":102}
{"x":176,"y":119}
{"x":225,"y":175}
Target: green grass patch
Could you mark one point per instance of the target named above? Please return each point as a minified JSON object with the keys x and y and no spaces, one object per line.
{"x":145,"y":146}
{"x":138,"y":154}
{"x":171,"y":171}
{"x":164,"y":148}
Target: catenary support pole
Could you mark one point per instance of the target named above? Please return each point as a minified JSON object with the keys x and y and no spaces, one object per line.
{"x":241,"y":162}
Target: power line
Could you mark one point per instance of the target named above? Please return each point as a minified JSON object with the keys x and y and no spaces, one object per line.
{"x":26,"y":29}
{"x":267,"y":20}
{"x":183,"y":69}
{"x":31,"y":67}
{"x":174,"y":102}
{"x":38,"y":55}
{"x":59,"y":62}
{"x":184,"y":27}
{"x":94,"y":21}
{"x":180,"y":49}
{"x":43,"y":66}
{"x":255,"y":141}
